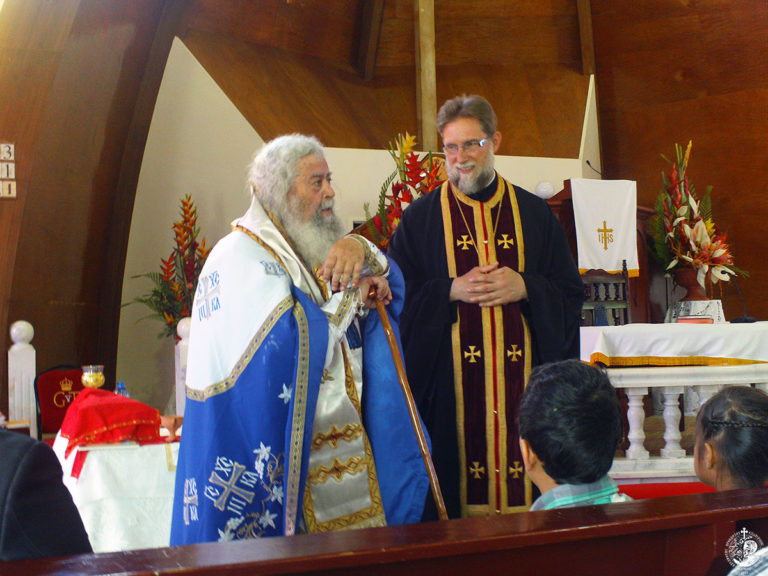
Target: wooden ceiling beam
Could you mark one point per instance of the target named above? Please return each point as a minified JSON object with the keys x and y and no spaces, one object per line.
{"x":426,"y":77}
{"x":586,"y":37}
{"x":373,"y":14}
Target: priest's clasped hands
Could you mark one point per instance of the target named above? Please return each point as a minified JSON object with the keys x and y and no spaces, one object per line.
{"x":489,"y":285}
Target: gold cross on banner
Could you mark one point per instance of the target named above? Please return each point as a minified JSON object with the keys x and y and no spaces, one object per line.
{"x":514,"y":353}
{"x":473,"y":355}
{"x":477,"y":470}
{"x":464,"y":242}
{"x":605,"y":235}
{"x":505,"y":241}
{"x":516,"y":470}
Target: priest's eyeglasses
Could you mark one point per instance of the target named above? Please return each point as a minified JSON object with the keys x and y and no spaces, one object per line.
{"x":468,"y":146}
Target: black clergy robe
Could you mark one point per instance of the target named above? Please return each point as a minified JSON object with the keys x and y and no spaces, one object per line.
{"x":467,"y":366}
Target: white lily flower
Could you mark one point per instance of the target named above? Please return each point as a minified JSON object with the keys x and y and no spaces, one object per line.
{"x":694,"y":206}
{"x":720,"y":273}
{"x":701,"y":275}
{"x":700,"y":231}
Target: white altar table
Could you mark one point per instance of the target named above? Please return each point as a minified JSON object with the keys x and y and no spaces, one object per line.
{"x":124,"y":492}
{"x":675,"y":344}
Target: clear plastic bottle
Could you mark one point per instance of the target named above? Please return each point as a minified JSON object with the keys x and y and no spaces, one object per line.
{"x":122,"y":390}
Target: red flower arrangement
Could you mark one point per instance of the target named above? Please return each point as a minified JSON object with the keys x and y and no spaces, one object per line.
{"x":683,"y":232}
{"x":413,"y":176}
{"x":173,"y":290}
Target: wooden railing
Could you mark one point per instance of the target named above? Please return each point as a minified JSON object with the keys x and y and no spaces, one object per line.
{"x":675,"y":535}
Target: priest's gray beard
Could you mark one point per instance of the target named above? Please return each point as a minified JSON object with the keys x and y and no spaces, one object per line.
{"x":312,"y":239}
{"x":466,"y":182}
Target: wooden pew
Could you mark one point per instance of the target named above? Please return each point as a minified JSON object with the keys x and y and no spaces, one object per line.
{"x":675,"y":535}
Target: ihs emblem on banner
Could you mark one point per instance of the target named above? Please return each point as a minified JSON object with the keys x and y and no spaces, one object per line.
{"x":605,"y":235}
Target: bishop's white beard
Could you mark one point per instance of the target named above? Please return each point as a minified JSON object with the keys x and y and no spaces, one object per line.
{"x":468,"y":183}
{"x":314,"y":238}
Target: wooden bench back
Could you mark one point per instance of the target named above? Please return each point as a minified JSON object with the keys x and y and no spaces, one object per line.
{"x":674,"y":535}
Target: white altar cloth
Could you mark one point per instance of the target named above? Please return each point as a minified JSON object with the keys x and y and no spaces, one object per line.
{"x":124,"y":493}
{"x":675,"y":344}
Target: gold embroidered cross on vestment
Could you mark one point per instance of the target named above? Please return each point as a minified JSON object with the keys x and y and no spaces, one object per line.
{"x":515,"y":353}
{"x":476,"y":470}
{"x":516,"y":470}
{"x":472,"y":354}
{"x":463,"y":242}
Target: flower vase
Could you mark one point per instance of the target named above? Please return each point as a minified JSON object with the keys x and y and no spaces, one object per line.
{"x":694,"y":306}
{"x":687,"y":278}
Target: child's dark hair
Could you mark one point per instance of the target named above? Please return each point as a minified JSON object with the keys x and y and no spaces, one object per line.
{"x":735,"y":420}
{"x":570,"y":416}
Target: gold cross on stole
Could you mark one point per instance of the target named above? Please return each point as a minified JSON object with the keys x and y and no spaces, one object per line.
{"x":473,"y":355}
{"x":477,"y":470}
{"x":516,"y":470}
{"x":514,"y":353}
{"x":505,"y":242}
{"x":464,"y":242}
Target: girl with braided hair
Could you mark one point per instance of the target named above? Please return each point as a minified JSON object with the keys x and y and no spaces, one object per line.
{"x":731,"y":449}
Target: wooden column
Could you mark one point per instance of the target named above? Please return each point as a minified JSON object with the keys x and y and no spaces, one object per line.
{"x":426,"y":83}
{"x":586,"y":37}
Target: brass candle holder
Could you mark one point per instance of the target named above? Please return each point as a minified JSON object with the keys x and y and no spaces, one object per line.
{"x":93,"y":376}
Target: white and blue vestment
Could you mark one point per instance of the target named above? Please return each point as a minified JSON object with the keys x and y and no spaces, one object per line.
{"x":279,"y":434}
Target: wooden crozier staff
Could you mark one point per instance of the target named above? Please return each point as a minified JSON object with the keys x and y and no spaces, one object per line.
{"x":412,"y":411}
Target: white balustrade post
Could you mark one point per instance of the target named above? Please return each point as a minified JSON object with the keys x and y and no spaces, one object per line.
{"x":182,"y":329}
{"x":691,"y":401}
{"x":705,"y":393}
{"x":672,"y":434}
{"x":636,"y":419}
{"x":21,"y":376}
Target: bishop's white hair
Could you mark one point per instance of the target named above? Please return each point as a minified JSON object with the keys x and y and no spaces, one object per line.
{"x":273,"y":168}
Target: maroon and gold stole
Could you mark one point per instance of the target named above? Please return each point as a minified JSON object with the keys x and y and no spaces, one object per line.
{"x":491,"y":353}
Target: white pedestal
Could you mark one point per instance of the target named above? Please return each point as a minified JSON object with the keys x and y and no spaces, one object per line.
{"x":180,"y":354}
{"x":700,"y":308}
{"x":654,"y":469}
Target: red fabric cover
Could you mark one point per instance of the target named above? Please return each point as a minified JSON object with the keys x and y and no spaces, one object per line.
{"x":56,"y":389}
{"x":102,"y":417}
{"x":77,"y":465}
{"x":661,"y":489}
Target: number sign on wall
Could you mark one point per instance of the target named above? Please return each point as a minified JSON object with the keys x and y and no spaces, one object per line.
{"x":7,"y":170}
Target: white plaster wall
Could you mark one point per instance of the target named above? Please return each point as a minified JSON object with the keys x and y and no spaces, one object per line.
{"x":198,"y":143}
{"x":590,"y":136}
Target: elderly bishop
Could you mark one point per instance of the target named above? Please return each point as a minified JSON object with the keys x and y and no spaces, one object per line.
{"x":294,"y":421}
